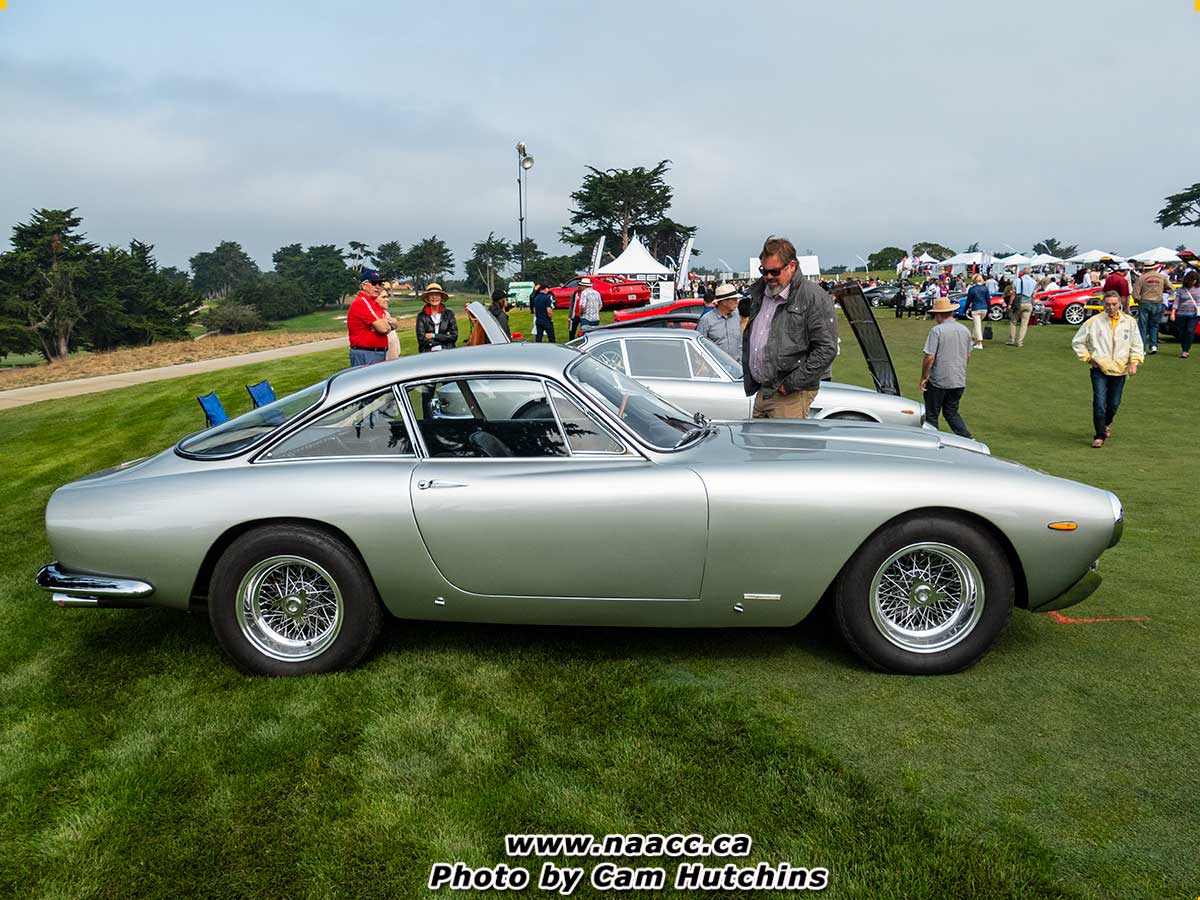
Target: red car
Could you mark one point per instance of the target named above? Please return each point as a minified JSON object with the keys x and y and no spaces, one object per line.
{"x":1071,"y":305}
{"x":616,"y":291}
{"x":685,"y":305}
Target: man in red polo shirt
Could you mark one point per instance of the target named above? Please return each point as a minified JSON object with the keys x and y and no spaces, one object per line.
{"x":368,"y":323}
{"x":1118,"y":281}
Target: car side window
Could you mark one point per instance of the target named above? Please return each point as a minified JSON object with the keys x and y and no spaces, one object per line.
{"x":701,"y":367}
{"x":610,"y":353}
{"x":584,"y":433}
{"x":477,"y":418}
{"x":371,"y":426}
{"x":656,"y":358}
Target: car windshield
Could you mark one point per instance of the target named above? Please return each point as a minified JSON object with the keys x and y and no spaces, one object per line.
{"x":648,"y":415}
{"x":237,"y":434}
{"x":727,"y":362}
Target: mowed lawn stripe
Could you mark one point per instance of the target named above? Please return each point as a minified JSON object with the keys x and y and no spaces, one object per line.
{"x":135,"y":763}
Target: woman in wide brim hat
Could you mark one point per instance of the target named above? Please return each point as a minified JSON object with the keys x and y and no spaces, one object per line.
{"x":433,"y":288}
{"x":437,"y":329}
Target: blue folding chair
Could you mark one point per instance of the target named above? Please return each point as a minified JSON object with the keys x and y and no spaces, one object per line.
{"x":261,"y":394}
{"x":214,"y":412}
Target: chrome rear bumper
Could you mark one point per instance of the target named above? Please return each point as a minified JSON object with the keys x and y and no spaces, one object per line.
{"x":76,"y":589}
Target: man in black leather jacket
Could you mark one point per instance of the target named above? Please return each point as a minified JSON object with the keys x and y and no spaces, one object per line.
{"x":790,"y":337}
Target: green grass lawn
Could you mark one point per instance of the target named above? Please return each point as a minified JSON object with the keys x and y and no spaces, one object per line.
{"x":134,"y":763}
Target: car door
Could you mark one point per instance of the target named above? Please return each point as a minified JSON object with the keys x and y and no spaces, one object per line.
{"x":529,"y":498}
{"x":675,"y":369}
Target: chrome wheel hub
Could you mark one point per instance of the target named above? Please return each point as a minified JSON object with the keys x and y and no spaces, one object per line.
{"x":289,"y":608}
{"x":926,"y":597}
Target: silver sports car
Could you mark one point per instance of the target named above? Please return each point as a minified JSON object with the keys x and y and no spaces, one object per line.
{"x":299,"y":523}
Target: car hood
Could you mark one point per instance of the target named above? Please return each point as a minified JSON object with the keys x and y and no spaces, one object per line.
{"x":495,"y":334}
{"x":773,"y":437}
{"x":870,"y":338}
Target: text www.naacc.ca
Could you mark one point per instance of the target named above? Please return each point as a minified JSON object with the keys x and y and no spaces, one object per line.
{"x":616,"y":845}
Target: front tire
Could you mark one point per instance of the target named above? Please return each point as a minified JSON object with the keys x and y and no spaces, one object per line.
{"x":293,"y":600}
{"x":996,"y":313}
{"x":925,"y":596}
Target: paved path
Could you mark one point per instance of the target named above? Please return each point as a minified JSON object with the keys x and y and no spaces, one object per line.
{"x":39,"y":392}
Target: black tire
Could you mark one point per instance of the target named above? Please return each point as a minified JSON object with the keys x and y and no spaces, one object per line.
{"x":1074,"y":314}
{"x":329,"y":624}
{"x":996,"y":313}
{"x":876,"y":628}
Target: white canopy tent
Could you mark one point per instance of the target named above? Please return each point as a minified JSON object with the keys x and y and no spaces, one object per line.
{"x":1158,"y":255}
{"x":963,"y":259}
{"x":1017,"y":259}
{"x":1045,"y":259}
{"x":634,"y":260}
{"x":1094,"y":256}
{"x":926,"y":258}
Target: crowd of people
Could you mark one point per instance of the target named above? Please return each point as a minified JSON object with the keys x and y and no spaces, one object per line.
{"x":785,"y":357}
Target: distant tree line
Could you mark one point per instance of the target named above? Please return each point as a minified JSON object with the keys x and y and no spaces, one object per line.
{"x":60,"y":292}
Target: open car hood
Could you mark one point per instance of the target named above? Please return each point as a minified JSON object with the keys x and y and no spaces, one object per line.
{"x":495,"y":334}
{"x":866,"y":329}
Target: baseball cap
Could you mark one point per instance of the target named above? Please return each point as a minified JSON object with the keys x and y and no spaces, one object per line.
{"x":370,"y":275}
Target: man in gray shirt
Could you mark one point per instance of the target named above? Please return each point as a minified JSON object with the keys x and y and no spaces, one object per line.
{"x":944,"y":369}
{"x":723,"y":324}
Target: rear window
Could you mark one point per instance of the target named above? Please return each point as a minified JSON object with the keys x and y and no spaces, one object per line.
{"x":236,"y":435}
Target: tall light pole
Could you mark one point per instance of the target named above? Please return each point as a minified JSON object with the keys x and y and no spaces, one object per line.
{"x":524,"y":164}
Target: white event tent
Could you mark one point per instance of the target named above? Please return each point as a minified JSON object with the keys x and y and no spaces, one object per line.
{"x":926,"y":258}
{"x":634,"y":260}
{"x":1158,"y":255}
{"x":1045,"y":259}
{"x":963,"y":259}
{"x":1017,"y":259}
{"x":1094,"y":256}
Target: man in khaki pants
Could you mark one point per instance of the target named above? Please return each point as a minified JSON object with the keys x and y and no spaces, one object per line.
{"x":1023,"y":289}
{"x":790,"y":337}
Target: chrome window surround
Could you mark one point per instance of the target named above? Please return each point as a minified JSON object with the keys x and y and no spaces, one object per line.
{"x":309,"y":420}
{"x":419,"y":443}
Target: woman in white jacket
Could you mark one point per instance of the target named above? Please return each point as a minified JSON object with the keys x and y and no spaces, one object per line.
{"x":1112,"y":345}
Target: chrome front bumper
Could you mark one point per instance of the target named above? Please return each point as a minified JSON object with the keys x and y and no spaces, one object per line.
{"x":76,"y":589}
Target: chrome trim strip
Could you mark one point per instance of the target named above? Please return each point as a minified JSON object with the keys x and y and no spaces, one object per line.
{"x":762,"y":596}
{"x":90,"y":587}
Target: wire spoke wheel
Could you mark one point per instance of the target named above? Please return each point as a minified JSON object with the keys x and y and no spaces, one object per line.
{"x":289,"y":608}
{"x":926,"y":597}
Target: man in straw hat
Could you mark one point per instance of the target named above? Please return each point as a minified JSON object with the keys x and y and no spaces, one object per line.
{"x":1149,"y":292}
{"x":368,"y":323}
{"x":437,"y":329}
{"x":944,"y":368}
{"x":723,"y":323}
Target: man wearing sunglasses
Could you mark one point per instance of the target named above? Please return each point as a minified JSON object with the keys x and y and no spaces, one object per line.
{"x":790,"y":337}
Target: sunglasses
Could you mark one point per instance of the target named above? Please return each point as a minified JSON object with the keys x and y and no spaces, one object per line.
{"x":772,"y":272}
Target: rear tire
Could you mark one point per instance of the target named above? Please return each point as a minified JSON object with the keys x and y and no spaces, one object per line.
{"x":996,"y":313}
{"x":293,"y":600}
{"x":1074,"y":314}
{"x":925,"y":596}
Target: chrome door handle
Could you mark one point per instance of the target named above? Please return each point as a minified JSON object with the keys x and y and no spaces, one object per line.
{"x":435,"y":483}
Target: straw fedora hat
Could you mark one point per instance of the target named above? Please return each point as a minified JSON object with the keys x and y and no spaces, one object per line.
{"x":943,"y":305}
{"x":724,"y":292}
{"x":434,"y":288}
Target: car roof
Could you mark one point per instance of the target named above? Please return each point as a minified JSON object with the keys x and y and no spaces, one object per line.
{"x":543,"y":360}
{"x":599,"y":334}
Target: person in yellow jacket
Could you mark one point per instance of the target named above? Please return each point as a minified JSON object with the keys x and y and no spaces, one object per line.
{"x":1112,"y":345}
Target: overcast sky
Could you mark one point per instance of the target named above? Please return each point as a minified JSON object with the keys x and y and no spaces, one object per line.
{"x":847,"y":126}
